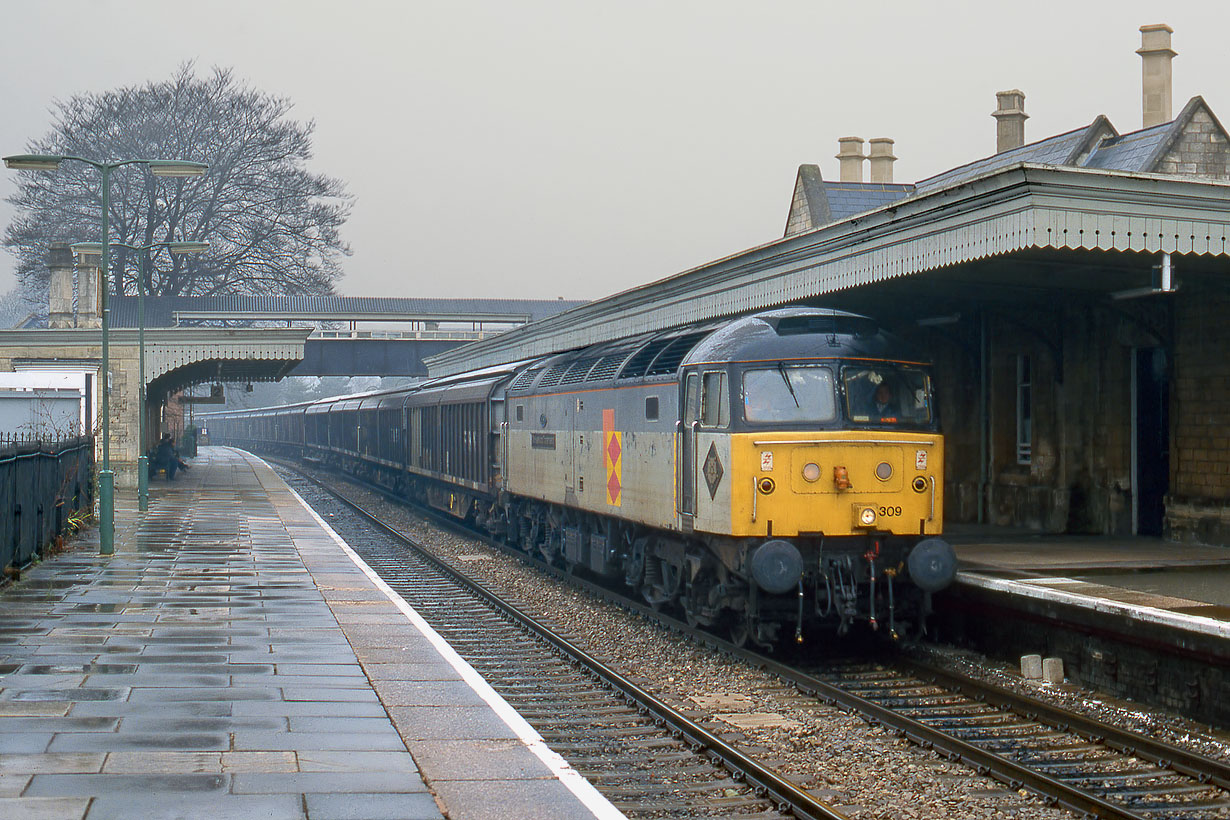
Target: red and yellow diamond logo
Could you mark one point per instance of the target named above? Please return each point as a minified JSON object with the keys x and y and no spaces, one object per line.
{"x":612,"y":450}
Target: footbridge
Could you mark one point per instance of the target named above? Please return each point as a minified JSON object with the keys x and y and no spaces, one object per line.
{"x":234,"y":339}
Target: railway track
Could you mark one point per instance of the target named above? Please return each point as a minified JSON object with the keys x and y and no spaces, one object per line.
{"x":1088,"y":767}
{"x":648,"y":758}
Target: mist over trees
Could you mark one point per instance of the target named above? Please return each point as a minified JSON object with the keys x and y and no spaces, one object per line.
{"x":273,"y":226}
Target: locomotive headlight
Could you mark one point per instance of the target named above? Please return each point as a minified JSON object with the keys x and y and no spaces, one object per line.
{"x":865,"y":516}
{"x":811,"y":471}
{"x":884,"y":471}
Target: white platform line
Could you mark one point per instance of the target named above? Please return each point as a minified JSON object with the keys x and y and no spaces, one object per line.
{"x":527,"y":734}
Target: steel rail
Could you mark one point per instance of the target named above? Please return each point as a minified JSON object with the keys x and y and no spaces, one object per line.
{"x":1006,"y":771}
{"x":784,"y":793}
{"x":984,"y":762}
{"x":1204,"y":769}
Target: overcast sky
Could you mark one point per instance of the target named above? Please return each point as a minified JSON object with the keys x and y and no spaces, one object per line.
{"x":521,"y":148}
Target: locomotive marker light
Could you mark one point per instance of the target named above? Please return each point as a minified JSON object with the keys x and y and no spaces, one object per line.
{"x":865,"y":515}
{"x":95,"y":248}
{"x":841,"y":477}
{"x":159,"y":168}
{"x":811,"y":472}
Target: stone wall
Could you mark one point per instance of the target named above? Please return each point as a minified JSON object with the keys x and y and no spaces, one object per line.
{"x":1201,"y":150}
{"x":1199,"y":505}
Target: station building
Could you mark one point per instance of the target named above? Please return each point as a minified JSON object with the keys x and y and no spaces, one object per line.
{"x":1072,"y":291}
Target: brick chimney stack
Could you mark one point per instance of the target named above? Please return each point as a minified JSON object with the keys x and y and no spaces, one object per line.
{"x":60,"y":292}
{"x":1010,"y":119}
{"x":882,"y":159}
{"x":1156,"y":54}
{"x":850,"y":155}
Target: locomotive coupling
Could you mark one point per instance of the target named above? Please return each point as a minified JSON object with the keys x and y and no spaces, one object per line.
{"x":777,"y":566}
{"x":932,"y":564}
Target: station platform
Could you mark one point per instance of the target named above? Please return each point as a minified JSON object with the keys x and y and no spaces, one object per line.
{"x":1165,"y":585}
{"x":235,"y":659}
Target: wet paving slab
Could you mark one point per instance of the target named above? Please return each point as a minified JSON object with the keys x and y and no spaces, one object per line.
{"x":198,"y":672}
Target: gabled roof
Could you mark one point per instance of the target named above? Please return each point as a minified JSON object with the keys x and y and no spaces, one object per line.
{"x":1062,"y":149}
{"x":1097,"y":146}
{"x":817,"y":202}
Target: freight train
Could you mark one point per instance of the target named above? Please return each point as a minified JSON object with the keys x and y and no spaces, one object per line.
{"x":765,"y":476}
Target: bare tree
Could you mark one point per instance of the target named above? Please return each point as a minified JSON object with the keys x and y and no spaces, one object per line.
{"x":273,"y":226}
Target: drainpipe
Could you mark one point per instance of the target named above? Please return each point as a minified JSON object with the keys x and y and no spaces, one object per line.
{"x":984,"y":422}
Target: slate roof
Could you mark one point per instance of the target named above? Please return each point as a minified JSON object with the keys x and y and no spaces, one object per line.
{"x":847,"y":199}
{"x":1131,"y":152}
{"x":1060,"y":149}
{"x":1097,"y":145}
{"x":160,"y":310}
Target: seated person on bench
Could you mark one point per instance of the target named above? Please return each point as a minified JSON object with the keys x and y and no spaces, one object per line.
{"x":165,"y":458}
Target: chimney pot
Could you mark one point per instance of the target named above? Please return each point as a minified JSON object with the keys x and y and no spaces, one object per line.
{"x":882,"y":159}
{"x":1156,"y":55}
{"x":1010,"y":119}
{"x":850,"y":155}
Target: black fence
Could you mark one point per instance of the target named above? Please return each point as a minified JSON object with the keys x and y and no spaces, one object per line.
{"x":43,"y":484}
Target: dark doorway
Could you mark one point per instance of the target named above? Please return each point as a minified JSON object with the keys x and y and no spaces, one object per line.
{"x":1151,"y":390}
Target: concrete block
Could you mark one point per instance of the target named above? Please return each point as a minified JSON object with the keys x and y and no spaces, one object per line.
{"x":1052,"y":670}
{"x":1031,"y":667}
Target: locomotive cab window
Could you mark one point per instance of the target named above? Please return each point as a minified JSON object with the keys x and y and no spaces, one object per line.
{"x":887,"y":394}
{"x":651,"y":408}
{"x":789,"y":393}
{"x":715,"y":400}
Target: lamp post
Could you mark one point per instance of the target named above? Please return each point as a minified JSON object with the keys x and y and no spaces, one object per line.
{"x":157,"y":167}
{"x":173,"y":247}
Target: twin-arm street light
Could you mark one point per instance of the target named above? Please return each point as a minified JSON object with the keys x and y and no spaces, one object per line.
{"x":173,"y":247}
{"x":159,"y":168}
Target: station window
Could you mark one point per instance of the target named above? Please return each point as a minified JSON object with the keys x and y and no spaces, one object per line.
{"x":520,"y":412}
{"x":1024,"y":411}
{"x":715,"y":401}
{"x":651,"y":408}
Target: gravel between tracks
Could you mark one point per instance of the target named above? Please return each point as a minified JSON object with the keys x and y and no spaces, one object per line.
{"x":866,"y":771}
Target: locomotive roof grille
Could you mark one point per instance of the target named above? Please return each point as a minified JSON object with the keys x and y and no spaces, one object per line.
{"x":640,"y":361}
{"x":525,"y":379}
{"x":607,"y":366}
{"x":578,"y":371}
{"x":847,"y":325}
{"x":554,"y":373}
{"x":668,"y":359}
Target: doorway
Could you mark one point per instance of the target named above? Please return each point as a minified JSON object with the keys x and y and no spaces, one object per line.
{"x":1150,"y":438}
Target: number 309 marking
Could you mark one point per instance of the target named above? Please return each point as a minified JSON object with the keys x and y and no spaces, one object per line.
{"x":890,"y":511}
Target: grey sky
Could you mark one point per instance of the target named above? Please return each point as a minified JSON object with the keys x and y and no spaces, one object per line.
{"x":542,"y":149}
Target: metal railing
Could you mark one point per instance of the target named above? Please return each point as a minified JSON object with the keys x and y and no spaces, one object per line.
{"x":46,"y":489}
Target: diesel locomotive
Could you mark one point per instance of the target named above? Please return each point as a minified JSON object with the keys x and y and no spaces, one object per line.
{"x":765,"y":476}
